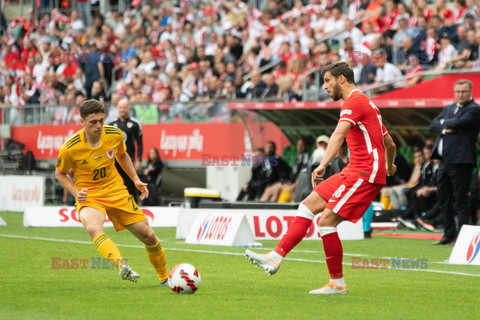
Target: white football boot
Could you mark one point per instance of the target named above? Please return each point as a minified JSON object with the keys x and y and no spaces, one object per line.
{"x":264,"y":261}
{"x":330,"y":288}
{"x":128,"y":274}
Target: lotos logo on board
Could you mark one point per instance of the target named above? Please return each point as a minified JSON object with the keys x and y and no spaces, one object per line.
{"x":473,"y":248}
{"x":213,"y":228}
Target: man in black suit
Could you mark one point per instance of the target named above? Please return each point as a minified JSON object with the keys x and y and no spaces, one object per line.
{"x":457,"y":128}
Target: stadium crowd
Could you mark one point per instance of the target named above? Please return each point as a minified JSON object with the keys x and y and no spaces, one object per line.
{"x":203,"y":51}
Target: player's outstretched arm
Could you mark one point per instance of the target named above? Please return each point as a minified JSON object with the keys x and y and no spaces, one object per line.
{"x":127,"y":166}
{"x":390,"y":150}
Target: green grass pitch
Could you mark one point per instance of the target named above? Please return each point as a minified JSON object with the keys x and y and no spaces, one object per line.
{"x":231,"y":288}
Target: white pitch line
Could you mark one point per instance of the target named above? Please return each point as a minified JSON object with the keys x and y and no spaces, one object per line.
{"x":315,"y":252}
{"x":224,"y":253}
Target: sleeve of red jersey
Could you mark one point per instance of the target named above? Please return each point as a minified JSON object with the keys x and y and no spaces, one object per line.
{"x":384,"y":130}
{"x":349,"y":113}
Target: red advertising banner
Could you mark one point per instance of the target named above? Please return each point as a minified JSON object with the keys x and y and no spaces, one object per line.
{"x":174,"y":141}
{"x":192,"y":141}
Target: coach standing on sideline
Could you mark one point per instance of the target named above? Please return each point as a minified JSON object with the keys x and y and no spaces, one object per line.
{"x":457,"y":128}
{"x":132,"y":131}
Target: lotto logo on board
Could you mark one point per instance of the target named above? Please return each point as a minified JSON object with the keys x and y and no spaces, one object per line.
{"x":473,"y":248}
{"x":213,"y":228}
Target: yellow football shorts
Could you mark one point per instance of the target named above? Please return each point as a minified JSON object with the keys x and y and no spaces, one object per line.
{"x":119,"y":205}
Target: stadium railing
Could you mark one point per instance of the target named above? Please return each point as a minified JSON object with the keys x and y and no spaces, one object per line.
{"x":214,"y":111}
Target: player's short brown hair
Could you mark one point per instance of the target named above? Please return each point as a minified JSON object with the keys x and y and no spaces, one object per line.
{"x":340,"y":68}
{"x":91,"y":106}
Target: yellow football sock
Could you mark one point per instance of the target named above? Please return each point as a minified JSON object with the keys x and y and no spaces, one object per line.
{"x":386,"y":202}
{"x":156,"y":255}
{"x":108,"y":249}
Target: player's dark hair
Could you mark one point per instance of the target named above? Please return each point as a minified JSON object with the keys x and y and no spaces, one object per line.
{"x":274,"y":145}
{"x":338,"y":69}
{"x":89,"y":107}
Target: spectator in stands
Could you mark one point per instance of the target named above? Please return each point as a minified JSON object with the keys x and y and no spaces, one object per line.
{"x":407,"y":48}
{"x":98,"y":93}
{"x":402,"y":12}
{"x":147,"y":63}
{"x":256,"y":87}
{"x":340,"y":161}
{"x":424,"y":9}
{"x":394,"y":197}
{"x":446,"y":53}
{"x":272,"y":192}
{"x":254,"y":188}
{"x":230,"y":92}
{"x":321,"y":148}
{"x":368,"y":71}
{"x":412,"y":68}
{"x":386,"y":72}
{"x":276,"y":169}
{"x":271,"y":88}
{"x":356,"y":67}
{"x":152,"y":175}
{"x":459,"y":11}
{"x":398,"y":38}
{"x":472,"y":40}
{"x":464,"y":49}
{"x":352,"y":32}
{"x":431,"y":45}
{"x":286,"y":89}
{"x":179,"y":95}
{"x":442,"y":10}
{"x":423,"y":195}
{"x":29,"y":93}
{"x":92,"y":67}
{"x":73,"y":102}
{"x":469,"y":19}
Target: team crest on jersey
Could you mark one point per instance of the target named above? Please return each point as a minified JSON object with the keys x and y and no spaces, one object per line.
{"x":129,"y":124}
{"x":110,"y":153}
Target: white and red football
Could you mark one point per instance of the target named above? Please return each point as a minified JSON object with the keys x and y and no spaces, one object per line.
{"x":184,"y":278}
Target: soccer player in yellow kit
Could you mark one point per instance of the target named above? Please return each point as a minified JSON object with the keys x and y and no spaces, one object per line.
{"x":99,"y":189}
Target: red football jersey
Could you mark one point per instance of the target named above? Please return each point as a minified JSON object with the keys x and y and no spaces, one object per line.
{"x":365,"y":139}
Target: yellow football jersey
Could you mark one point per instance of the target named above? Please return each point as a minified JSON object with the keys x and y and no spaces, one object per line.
{"x":93,"y":168}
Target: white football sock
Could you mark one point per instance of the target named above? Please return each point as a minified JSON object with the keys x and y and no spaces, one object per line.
{"x":338,"y":282}
{"x":276,"y":257}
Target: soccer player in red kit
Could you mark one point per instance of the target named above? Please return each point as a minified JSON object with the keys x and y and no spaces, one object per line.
{"x":345,"y":195}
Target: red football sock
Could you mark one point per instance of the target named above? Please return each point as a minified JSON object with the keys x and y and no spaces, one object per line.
{"x":295,"y":233}
{"x":334,"y":254}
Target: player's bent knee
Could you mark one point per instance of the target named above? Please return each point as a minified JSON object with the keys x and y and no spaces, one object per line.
{"x":314,"y":202}
{"x":93,"y":230}
{"x":148,"y":236}
{"x":151,"y":237}
{"x":329,"y":219}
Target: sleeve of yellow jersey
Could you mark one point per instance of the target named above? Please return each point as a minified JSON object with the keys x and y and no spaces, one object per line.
{"x":64,"y":161}
{"x":122,"y":147}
